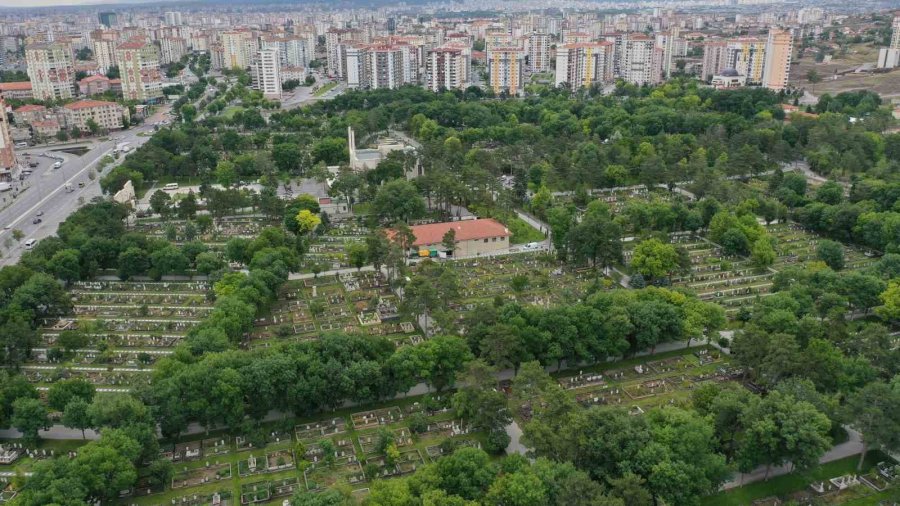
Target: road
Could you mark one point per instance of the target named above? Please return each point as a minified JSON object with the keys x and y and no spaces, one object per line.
{"x":303,"y":95}
{"x":46,"y":191}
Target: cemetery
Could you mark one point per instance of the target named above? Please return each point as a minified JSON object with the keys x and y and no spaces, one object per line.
{"x":328,"y":251}
{"x":649,"y":384}
{"x":127,"y":327}
{"x":359,"y":302}
{"x":795,"y":245}
{"x":221,"y":230}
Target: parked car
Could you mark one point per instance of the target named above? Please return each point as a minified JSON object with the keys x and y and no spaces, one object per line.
{"x":36,"y":221}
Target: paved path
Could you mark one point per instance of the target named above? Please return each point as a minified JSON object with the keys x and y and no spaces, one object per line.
{"x":515,"y":434}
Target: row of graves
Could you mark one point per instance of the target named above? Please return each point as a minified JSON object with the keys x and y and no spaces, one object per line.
{"x":841,"y":489}
{"x":350,"y":451}
{"x":650,"y":384}
{"x":530,"y":278}
{"x":796,"y":245}
{"x":328,"y":250}
{"x":357,"y":302}
{"x":728,"y":280}
{"x":221,"y":231}
{"x":316,"y":455}
{"x":129,"y":326}
{"x":618,"y":198}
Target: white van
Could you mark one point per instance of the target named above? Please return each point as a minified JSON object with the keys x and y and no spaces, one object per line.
{"x":29,"y":244}
{"x":171,"y":186}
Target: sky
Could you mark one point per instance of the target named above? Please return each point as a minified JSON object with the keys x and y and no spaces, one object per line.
{"x":50,"y":3}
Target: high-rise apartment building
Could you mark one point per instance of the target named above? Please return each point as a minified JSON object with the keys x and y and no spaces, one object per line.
{"x":293,"y":50}
{"x":376,"y":66}
{"x":336,"y":40}
{"x":538,"y":52}
{"x":108,"y":19}
{"x":7,"y":151}
{"x":267,"y":73}
{"x":173,"y":18}
{"x":747,"y":56}
{"x":714,"y":58}
{"x":448,"y":67}
{"x":777,"y":70}
{"x":139,"y":70}
{"x":641,"y":61}
{"x":583,"y":64}
{"x":506,"y":70}
{"x":171,"y":49}
{"x":51,"y":70}
{"x":895,"y":33}
{"x":103,"y":43}
{"x":238,"y":48}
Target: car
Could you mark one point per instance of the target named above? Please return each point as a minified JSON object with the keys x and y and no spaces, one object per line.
{"x":81,"y":184}
{"x":32,"y":164}
{"x":40,"y":213}
{"x":21,"y":144}
{"x":36,"y":221}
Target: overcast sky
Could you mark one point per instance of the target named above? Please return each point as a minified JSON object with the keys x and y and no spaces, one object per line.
{"x":47,"y":3}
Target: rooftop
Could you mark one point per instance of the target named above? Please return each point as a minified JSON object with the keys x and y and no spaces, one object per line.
{"x":84,"y":104}
{"x":467,"y":230}
{"x":19,"y":86}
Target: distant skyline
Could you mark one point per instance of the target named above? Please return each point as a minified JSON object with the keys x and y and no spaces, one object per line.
{"x":26,"y":4}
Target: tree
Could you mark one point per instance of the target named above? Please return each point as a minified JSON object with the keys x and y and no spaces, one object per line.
{"x":133,"y":262}
{"x":187,"y":208}
{"x":398,"y":200}
{"x":812,"y":75}
{"x":75,"y":415}
{"x":522,"y":488}
{"x":875,"y":413}
{"x":377,"y":247}
{"x":63,"y":392}
{"x":160,"y":203}
{"x":188,"y":113}
{"x":832,"y":253}
{"x":307,"y":222}
{"x":29,"y":416}
{"x":357,"y":254}
{"x":103,"y":471}
{"x":226,"y":174}
{"x":92,"y":126}
{"x":762,"y":254}
{"x":781,"y":429}
{"x":66,"y":265}
{"x":449,"y":240}
{"x":653,"y":259}
{"x":444,"y":356}
{"x":597,"y":239}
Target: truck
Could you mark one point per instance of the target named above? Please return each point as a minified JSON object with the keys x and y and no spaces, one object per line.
{"x":69,"y":188}
{"x":123,"y":147}
{"x":5,"y":187}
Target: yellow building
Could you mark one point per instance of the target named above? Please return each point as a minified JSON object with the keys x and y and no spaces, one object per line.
{"x":777,"y":71}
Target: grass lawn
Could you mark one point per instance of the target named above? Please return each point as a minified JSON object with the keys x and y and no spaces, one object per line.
{"x":786,"y":484}
{"x":522,"y":232}
{"x":231,"y":110}
{"x":324,"y":89}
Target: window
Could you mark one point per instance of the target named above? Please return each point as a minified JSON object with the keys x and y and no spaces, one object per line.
{"x":493,"y":239}
{"x":485,"y":240}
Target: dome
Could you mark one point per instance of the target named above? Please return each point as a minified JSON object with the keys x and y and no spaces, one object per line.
{"x":730,"y":73}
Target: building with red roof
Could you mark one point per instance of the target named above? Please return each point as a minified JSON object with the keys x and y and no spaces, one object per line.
{"x":17,"y":90}
{"x":93,"y":85}
{"x":473,"y":237}
{"x":108,"y":115}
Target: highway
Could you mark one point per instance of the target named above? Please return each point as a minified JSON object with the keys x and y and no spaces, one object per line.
{"x":44,"y":189}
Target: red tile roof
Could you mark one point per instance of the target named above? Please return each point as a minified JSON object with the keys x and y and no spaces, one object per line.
{"x":93,"y":78}
{"x":20,"y":86}
{"x":83,"y":104}
{"x":31,"y":108}
{"x":466,"y":230}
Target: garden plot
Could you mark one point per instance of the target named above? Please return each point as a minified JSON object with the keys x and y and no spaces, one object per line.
{"x":317,"y":430}
{"x":449,"y":446}
{"x":321,"y":477}
{"x":369,"y":441}
{"x":409,"y":460}
{"x":201,"y":475}
{"x":374,"y":418}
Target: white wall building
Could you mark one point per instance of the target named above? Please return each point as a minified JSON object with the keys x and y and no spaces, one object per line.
{"x":267,"y":73}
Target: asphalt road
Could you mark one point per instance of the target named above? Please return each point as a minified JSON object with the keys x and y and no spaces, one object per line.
{"x":45,"y":187}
